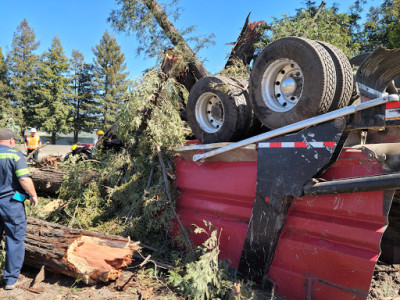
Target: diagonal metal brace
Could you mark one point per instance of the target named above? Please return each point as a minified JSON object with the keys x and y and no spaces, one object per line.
{"x":301,"y":125}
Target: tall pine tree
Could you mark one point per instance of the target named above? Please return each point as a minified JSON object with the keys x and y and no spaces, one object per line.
{"x":22,"y":63}
{"x":52,"y":109}
{"x":7,"y":116}
{"x":84,"y":107}
{"x":4,"y":84}
{"x":109,"y":77}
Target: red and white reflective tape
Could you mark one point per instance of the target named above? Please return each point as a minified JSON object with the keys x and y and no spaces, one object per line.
{"x":297,"y":145}
{"x":394,"y":104}
{"x":392,"y":111}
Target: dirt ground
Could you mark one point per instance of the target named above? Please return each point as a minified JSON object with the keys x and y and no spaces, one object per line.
{"x":385,"y":283}
{"x":58,"y":286}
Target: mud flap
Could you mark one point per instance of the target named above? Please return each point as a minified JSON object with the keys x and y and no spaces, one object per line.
{"x":284,"y":165}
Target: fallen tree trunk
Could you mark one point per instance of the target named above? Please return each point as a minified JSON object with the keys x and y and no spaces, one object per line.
{"x":195,"y":66}
{"x":89,"y":256}
{"x":243,"y":49}
{"x":47,"y":180}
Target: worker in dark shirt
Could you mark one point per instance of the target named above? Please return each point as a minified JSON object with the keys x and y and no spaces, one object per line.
{"x":15,"y":184}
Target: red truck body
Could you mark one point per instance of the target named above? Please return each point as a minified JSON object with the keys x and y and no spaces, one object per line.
{"x":329,"y":244}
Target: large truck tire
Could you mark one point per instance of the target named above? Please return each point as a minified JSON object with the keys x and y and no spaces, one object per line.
{"x":292,"y":79}
{"x":344,"y":77}
{"x":218,"y":110}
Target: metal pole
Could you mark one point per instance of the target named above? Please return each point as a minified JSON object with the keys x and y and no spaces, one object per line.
{"x":354,"y":185}
{"x":300,"y":125}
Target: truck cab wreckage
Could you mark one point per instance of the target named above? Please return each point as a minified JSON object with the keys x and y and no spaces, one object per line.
{"x":302,"y":207}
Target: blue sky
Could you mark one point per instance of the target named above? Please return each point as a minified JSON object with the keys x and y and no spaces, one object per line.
{"x":80,"y":24}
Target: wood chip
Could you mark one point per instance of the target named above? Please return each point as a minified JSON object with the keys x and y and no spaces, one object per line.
{"x":39,"y":278}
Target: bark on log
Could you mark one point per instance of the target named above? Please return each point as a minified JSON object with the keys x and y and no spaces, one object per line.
{"x":77,"y":253}
{"x":47,"y":180}
{"x":244,"y":48}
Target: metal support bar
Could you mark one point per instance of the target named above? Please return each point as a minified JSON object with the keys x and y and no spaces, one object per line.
{"x":354,"y":185}
{"x":300,"y":125}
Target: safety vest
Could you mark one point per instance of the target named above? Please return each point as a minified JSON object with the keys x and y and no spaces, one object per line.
{"x":32,"y":142}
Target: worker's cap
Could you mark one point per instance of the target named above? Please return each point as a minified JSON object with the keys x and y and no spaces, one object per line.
{"x":33,"y":129}
{"x":6,"y":134}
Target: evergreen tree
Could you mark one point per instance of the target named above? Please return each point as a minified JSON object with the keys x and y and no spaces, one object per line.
{"x":4,"y":84}
{"x":22,"y":63}
{"x":52,"y":109}
{"x":84,"y":112}
{"x":356,"y":31}
{"x":324,"y":24}
{"x":7,"y":116}
{"x":109,"y":77}
{"x":383,"y":26}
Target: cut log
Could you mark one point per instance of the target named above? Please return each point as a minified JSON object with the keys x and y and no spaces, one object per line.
{"x":47,"y":180}
{"x":89,"y":256}
{"x":244,"y":48}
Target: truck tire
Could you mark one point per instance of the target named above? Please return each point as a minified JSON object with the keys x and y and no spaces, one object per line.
{"x":292,"y":79}
{"x":344,"y":77}
{"x":217,"y":109}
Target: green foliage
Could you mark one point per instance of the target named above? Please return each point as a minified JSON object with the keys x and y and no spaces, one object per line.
{"x":80,"y":187}
{"x":383,"y":26}
{"x":120,"y":192}
{"x":135,"y":16}
{"x":205,"y":278}
{"x":7,"y":117}
{"x":84,"y":106}
{"x":109,"y":77}
{"x":2,"y":257}
{"x":22,"y":63}
{"x":4,"y":83}
{"x":52,"y":90}
{"x":237,"y":70}
{"x":328,"y":25}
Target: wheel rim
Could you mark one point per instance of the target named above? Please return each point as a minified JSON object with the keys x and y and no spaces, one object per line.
{"x":282,"y":85}
{"x":209,"y":112}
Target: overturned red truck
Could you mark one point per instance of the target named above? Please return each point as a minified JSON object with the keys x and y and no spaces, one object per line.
{"x":302,"y":206}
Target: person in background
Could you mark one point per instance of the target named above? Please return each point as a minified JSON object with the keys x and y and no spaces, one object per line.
{"x":32,"y":141}
{"x":100,"y":134}
{"x":15,"y":184}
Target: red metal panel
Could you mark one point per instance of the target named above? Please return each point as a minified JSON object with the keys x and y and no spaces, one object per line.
{"x":331,"y":241}
{"x":329,"y":244}
{"x":222,"y":193}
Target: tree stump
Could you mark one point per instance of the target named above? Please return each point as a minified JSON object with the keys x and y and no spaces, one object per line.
{"x":90,"y":256}
{"x":244,"y":47}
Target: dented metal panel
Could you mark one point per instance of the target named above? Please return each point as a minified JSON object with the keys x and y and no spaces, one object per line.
{"x":222,"y":193}
{"x":330,"y":243}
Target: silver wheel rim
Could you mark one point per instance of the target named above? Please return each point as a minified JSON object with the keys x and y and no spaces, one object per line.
{"x":209,"y":112}
{"x":282,"y":85}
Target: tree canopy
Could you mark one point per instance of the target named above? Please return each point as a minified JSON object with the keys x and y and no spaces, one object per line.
{"x":109,"y":77}
{"x":51,"y":110}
